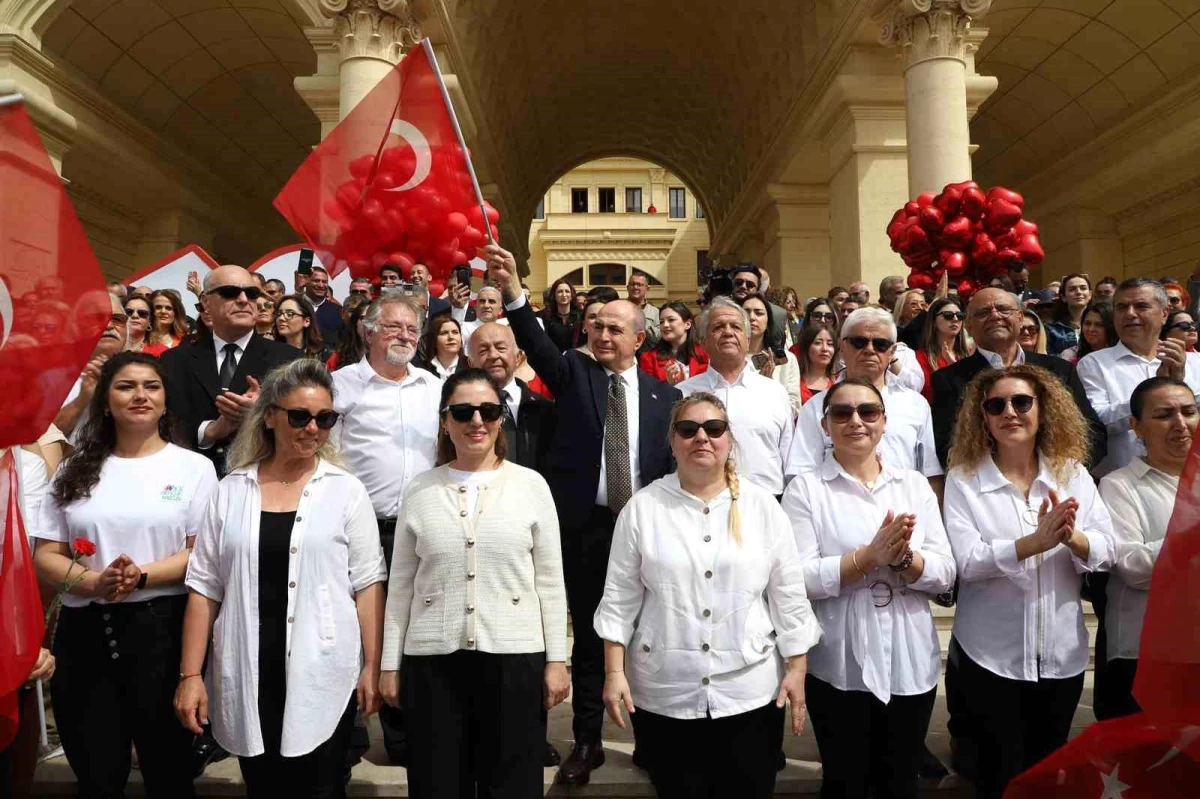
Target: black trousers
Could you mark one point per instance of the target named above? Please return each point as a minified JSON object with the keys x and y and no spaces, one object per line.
{"x":391,"y":719}
{"x":475,"y":725}
{"x":868,"y":748}
{"x":1015,"y":723}
{"x":1118,"y":689}
{"x":585,"y":565}
{"x":1094,"y":588}
{"x":117,"y":667}
{"x":321,"y":774}
{"x":708,"y":758}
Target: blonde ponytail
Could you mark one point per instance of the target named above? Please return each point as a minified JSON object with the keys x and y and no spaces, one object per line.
{"x":735,"y":489}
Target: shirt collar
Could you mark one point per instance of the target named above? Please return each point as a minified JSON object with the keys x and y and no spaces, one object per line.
{"x":628,"y":377}
{"x":831,"y":469}
{"x":241,"y":343}
{"x":324,"y":469}
{"x":414,"y":375}
{"x":994,"y":360}
{"x":1120,"y":352}
{"x":514,"y":390}
{"x":989,"y":477}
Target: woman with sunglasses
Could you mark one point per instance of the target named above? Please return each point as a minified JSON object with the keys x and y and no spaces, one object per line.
{"x":1063,"y":329}
{"x":1031,"y":335}
{"x":908,"y":305}
{"x":139,"y":500}
{"x":170,"y":325}
{"x":944,"y":340}
{"x":820,"y":311}
{"x":264,"y":316}
{"x":815,"y":350}
{"x":874,"y":551}
{"x":704,"y":618}
{"x":1024,"y":521}
{"x":1097,"y":332}
{"x":137,"y":310}
{"x":1181,"y":326}
{"x":287,"y":581}
{"x":475,"y":636}
{"x":677,"y":355}
{"x":296,"y":324}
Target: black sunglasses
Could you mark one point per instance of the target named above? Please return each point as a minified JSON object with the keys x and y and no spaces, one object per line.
{"x":299,"y":417}
{"x":233,"y":292}
{"x":861,"y":342}
{"x":740,"y":282}
{"x":868,"y":412}
{"x":138,"y":312}
{"x":1021,"y":403}
{"x":953,"y":316}
{"x":818,"y":316}
{"x":1028,"y":330}
{"x":713,"y":428}
{"x":463,"y":412}
{"x":1186,"y":327}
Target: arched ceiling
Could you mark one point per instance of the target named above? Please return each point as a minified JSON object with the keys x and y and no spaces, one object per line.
{"x":214,"y":76}
{"x":1069,"y":69}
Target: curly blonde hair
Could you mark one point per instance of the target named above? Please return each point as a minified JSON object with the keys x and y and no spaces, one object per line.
{"x":1062,"y":436}
{"x":731,"y":475}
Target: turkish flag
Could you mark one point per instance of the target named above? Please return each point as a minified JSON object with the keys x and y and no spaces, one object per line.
{"x":392,"y":182}
{"x":21,"y":622}
{"x":53,"y":301}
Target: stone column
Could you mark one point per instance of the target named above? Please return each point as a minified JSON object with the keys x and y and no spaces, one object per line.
{"x":934,"y":38}
{"x":371,"y":37}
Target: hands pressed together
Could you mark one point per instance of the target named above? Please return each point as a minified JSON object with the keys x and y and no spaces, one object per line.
{"x":890,"y":542}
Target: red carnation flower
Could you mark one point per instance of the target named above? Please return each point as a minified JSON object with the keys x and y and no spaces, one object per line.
{"x":84,"y":547}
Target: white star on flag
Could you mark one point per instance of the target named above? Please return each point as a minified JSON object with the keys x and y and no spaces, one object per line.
{"x":1113,"y":787}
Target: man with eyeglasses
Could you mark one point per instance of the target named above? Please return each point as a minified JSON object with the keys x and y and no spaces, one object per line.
{"x":73,"y":414}
{"x":213,"y":381}
{"x":867,"y":348}
{"x":387,"y":433}
{"x":994,"y":320}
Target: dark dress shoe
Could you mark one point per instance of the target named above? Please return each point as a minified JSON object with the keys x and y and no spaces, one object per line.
{"x":931,"y":767}
{"x":577,"y":768}
{"x":552,"y":756}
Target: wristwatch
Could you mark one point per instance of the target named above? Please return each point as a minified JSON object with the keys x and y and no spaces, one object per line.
{"x":142,"y":581}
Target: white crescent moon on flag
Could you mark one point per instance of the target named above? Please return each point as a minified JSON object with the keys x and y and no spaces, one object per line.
{"x":6,"y":312}
{"x":416,"y":139}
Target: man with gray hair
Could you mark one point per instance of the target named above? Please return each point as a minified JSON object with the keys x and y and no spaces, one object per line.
{"x":387,"y":432}
{"x":867,"y":345}
{"x":890,"y":288}
{"x":860,"y":292}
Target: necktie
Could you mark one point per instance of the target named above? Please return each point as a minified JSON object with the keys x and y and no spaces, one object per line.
{"x":229,"y":365}
{"x":510,"y":429}
{"x":617,"y":476}
{"x":506,"y":410}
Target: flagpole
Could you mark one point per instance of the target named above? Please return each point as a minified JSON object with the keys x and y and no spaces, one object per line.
{"x":41,"y":700}
{"x":11,"y":99}
{"x":437,"y":70}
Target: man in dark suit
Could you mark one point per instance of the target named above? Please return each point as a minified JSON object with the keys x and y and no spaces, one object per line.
{"x":609,"y":441}
{"x":212,"y":382}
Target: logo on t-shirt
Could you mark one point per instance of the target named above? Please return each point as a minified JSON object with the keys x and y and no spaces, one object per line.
{"x":172,"y":493}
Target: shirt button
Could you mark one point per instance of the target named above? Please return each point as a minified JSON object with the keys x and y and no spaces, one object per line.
{"x":108,"y":630}
{"x":112,"y":643}
{"x":516,"y":600}
{"x":704,"y":681}
{"x":306,"y":492}
{"x":291,"y":619}
{"x":291,"y":585}
{"x":470,"y":542}
{"x":299,"y":519}
{"x":462,"y":513}
{"x":470,"y":575}
{"x":704,"y":647}
{"x":706,"y":613}
{"x":106,"y":616}
{"x":707,"y":538}
{"x":462,"y":489}
{"x":293,"y":550}
{"x":766,"y":647}
{"x":645,"y":647}
{"x":470,"y":642}
{"x":705,"y":511}
{"x":116,"y":655}
{"x":708,"y":574}
{"x":428,"y":601}
{"x":470,"y":608}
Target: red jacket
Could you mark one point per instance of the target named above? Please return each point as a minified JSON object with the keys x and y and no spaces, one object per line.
{"x":656,"y":365}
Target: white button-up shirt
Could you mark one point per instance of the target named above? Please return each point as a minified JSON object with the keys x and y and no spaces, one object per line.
{"x":891,"y":650}
{"x":633,"y":419}
{"x":704,"y":620}
{"x":388,"y":430}
{"x":907,"y":441}
{"x":760,"y":416}
{"x":1140,"y":500}
{"x":996,"y":362}
{"x":1021,"y":619}
{"x":1109,"y":377}
{"x":335,"y":553}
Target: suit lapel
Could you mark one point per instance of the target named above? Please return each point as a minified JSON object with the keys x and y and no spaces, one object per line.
{"x":203,"y":363}
{"x":252,"y":363}
{"x":599,"y":380}
{"x":648,"y":402}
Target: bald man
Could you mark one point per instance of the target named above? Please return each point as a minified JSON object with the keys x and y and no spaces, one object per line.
{"x":73,"y":414}
{"x":608,"y":442}
{"x":212,"y":382}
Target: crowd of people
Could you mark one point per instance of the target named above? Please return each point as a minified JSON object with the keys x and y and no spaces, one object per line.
{"x":319,"y":510}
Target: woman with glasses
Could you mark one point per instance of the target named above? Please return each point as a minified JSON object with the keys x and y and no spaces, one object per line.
{"x":1024,"y":521}
{"x":1096,"y":332}
{"x":874,"y":551}
{"x":908,"y":305}
{"x":676,"y":356}
{"x":137,"y":310}
{"x":286,"y":580}
{"x":1031,"y":334}
{"x":1177,"y":295}
{"x":264,"y":317}
{"x":820,"y":311}
{"x":296,"y":324}
{"x":1181,"y":326}
{"x":1063,"y":330}
{"x":815,"y":351}
{"x":704,"y":618}
{"x":475,"y":635}
{"x":785,"y":373}
{"x":944,"y":340}
{"x":170,"y":325}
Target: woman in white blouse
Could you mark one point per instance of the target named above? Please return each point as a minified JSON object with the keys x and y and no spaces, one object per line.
{"x":874,"y":550}
{"x":475,"y":634}
{"x":1024,"y":522}
{"x":706,"y":595}
{"x":286,"y":580}
{"x":1140,"y":498}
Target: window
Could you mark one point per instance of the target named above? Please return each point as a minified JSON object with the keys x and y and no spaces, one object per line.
{"x":703,"y":268}
{"x":699,"y":211}
{"x":607,"y":201}
{"x":574,"y":277}
{"x":579,"y":201}
{"x":606,"y":274}
{"x":677,"y":204}
{"x":633,"y":201}
{"x":540,"y":212}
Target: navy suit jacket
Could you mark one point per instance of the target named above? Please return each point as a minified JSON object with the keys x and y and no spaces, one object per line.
{"x":580,"y":385}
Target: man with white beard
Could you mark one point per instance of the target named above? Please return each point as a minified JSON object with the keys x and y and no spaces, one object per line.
{"x":387,"y":432}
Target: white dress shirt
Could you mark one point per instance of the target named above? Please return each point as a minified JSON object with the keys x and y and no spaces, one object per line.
{"x":514,"y":399}
{"x":1140,"y":500}
{"x":891,"y":650}
{"x":1109,"y":377}
{"x":996,"y":362}
{"x":907,"y":441}
{"x":387,"y":433}
{"x":787,"y":375}
{"x":219,"y":352}
{"x":443,"y":372}
{"x":335,"y":553}
{"x":630,"y":378}
{"x":1021,"y":619}
{"x":760,"y":418}
{"x":703,"y":619}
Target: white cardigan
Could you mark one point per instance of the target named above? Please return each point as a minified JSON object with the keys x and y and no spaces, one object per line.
{"x":487,"y":581}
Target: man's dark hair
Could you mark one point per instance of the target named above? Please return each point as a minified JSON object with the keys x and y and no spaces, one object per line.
{"x":1107,"y":280}
{"x":391,"y":268}
{"x":1017,"y":266}
{"x":747,"y":267}
{"x":277,"y":282}
{"x":604,"y":294}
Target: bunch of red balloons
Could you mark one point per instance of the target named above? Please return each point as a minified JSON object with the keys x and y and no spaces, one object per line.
{"x":965,"y":233}
{"x":381,"y":220}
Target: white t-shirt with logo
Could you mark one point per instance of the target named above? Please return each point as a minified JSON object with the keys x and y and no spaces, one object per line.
{"x":141,"y":507}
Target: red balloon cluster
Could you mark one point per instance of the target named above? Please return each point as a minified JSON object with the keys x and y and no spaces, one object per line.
{"x":965,"y":233}
{"x":381,"y":219}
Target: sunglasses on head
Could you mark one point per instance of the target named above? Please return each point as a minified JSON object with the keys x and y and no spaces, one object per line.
{"x":233,"y":292}
{"x":861,"y":342}
{"x":463,"y":412}
{"x":713,"y":428}
{"x":868,"y":412}
{"x":138,"y":312}
{"x":1021,"y":403}
{"x":953,"y":316}
{"x":299,"y":417}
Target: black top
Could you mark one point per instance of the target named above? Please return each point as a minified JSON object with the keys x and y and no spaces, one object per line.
{"x":274,"y":540}
{"x":560,"y":332}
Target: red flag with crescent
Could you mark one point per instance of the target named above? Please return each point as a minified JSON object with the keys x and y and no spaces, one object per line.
{"x":53,"y":302}
{"x":392,"y":183}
